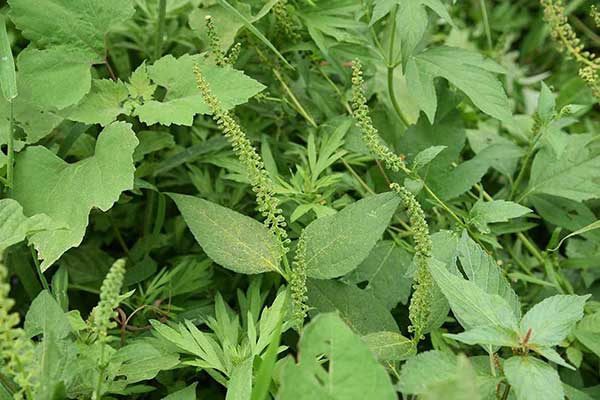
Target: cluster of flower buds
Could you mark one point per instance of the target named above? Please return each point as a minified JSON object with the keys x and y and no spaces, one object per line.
{"x":262,"y":186}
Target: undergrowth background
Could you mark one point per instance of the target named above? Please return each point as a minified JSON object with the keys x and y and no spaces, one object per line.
{"x":299,"y":199}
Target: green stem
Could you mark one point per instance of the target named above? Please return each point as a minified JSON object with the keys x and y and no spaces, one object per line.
{"x":160,"y":31}
{"x":295,"y":101}
{"x":98,"y":391}
{"x":531,"y":247}
{"x":11,"y":149}
{"x":486,"y":24}
{"x":390,"y":70}
{"x":443,"y":205}
{"x":118,"y":235}
{"x":38,"y":270}
{"x":521,"y":174}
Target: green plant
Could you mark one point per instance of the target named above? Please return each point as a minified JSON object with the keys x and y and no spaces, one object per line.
{"x":299,"y":199}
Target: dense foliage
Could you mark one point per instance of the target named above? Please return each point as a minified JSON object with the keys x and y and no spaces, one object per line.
{"x":300,"y":199}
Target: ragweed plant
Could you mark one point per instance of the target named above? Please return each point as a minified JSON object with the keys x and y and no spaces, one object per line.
{"x":420,"y":305}
{"x":262,"y":186}
{"x":285,"y":23}
{"x":595,"y":15}
{"x":363,"y":119}
{"x":298,"y":284}
{"x":101,"y":318}
{"x":16,"y":350}
{"x":569,"y":43}
{"x":221,"y":58}
{"x":422,"y":298}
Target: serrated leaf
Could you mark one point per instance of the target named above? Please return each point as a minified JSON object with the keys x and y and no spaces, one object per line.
{"x":552,"y":355}
{"x":481,"y":269}
{"x":357,"y":374}
{"x":532,"y":379}
{"x":102,"y":105}
{"x":139,"y":85}
{"x":390,"y":346}
{"x":15,"y":227}
{"x":467,"y":70}
{"x":385,"y":270}
{"x":552,"y":319}
{"x":488,"y":212}
{"x":573,"y":176}
{"x":426,"y":156}
{"x":472,"y":306}
{"x":67,"y":192}
{"x":183,"y":99}
{"x":79,"y":26}
{"x":487,"y":335}
{"x":231,"y":239}
{"x":588,"y":332}
{"x":336,"y":244}
{"x":359,"y":309}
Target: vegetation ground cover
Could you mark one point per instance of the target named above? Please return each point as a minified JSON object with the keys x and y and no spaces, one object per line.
{"x":299,"y":199}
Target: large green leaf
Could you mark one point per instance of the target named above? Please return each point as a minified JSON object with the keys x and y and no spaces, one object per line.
{"x":53,"y":78}
{"x":472,"y":306}
{"x":46,"y":317}
{"x":142,"y":360}
{"x":574,"y":175}
{"x":467,"y":70}
{"x":336,"y":244}
{"x":481,"y":269}
{"x":359,"y":309}
{"x":385,"y":270}
{"x":437,"y":375}
{"x":488,"y":335}
{"x":488,"y":212}
{"x":231,"y":239}
{"x":67,"y":192}
{"x":15,"y":227}
{"x":353,"y":373}
{"x":183,"y":99}
{"x":426,"y":370}
{"x":78,"y":26}
{"x":532,"y":379}
{"x":588,"y":332}
{"x":70,"y":37}
{"x":552,"y":319}
{"x":390,"y":346}
{"x":102,"y":104}
{"x":35,"y":121}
